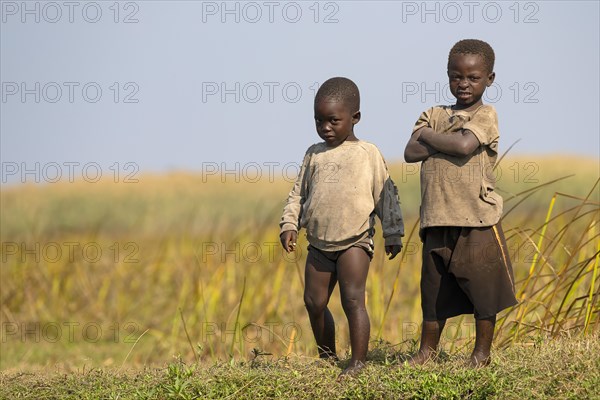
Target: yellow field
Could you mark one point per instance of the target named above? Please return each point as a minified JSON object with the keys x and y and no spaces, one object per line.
{"x":127,"y":274}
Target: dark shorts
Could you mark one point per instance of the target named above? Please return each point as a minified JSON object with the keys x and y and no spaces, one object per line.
{"x":465,"y":271}
{"x":327,"y":260}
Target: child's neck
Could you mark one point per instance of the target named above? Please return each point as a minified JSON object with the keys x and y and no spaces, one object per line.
{"x":351,"y":138}
{"x":472,"y":107}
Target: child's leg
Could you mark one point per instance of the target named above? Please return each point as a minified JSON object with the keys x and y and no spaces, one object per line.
{"x":430,"y":338}
{"x":484,"y":334}
{"x":319,"y":285}
{"x":352,"y":270}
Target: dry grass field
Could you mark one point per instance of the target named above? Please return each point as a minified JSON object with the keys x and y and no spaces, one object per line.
{"x":188,"y":267}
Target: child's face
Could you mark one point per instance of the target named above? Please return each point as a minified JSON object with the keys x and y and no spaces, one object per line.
{"x":469,"y":78}
{"x":335,"y":122}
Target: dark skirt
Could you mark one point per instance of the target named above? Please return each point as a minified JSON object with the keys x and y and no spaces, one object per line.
{"x":465,"y":271}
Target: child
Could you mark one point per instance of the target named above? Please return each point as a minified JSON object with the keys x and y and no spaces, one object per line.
{"x":465,"y":269}
{"x":343,"y":183}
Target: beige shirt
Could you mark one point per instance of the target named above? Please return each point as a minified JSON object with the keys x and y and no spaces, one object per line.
{"x":337,"y":194}
{"x":459,"y":191}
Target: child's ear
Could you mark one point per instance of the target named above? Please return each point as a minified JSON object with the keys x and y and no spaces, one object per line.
{"x":356,"y":117}
{"x":491,"y":78}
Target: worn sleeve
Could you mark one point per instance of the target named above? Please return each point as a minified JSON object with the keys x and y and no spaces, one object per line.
{"x":424,"y":120}
{"x":484,"y":125}
{"x":292,"y":212}
{"x":387,"y":203}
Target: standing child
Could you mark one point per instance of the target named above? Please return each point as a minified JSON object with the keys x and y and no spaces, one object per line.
{"x":343,"y":183}
{"x":466,"y":269}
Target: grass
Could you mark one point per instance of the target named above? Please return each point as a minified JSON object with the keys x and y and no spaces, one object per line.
{"x":519,"y":372}
{"x":112,"y":277}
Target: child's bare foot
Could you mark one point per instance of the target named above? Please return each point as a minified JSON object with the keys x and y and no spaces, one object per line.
{"x":430,"y":338}
{"x":479,"y":360}
{"x":351,"y":371}
{"x":421,"y":358}
{"x":484,"y":334}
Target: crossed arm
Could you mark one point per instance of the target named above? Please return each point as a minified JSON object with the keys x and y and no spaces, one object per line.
{"x":425,"y":142}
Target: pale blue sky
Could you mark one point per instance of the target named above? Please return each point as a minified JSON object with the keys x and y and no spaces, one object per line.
{"x":179,"y":56}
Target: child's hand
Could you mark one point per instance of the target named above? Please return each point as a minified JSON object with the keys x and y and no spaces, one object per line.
{"x":288,"y":240}
{"x":392,"y":250}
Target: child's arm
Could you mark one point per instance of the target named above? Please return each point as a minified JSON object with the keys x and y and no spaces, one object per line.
{"x":459,"y":144}
{"x":290,"y":220}
{"x":387,"y":208}
{"x":417,"y":150}
{"x":480,"y":130}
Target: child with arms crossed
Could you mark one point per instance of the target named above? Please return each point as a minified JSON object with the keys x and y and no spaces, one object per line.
{"x":466,"y":269}
{"x":343,"y":183}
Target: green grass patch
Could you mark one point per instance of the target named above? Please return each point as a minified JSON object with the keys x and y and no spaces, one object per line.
{"x":561,"y":368}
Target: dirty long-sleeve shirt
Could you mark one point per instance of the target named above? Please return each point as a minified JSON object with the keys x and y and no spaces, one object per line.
{"x":337,"y":194}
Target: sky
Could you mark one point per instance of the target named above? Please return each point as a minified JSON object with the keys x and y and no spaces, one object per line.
{"x":93,"y":88}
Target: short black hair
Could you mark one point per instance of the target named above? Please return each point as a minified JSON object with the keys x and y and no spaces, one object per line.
{"x":475,"y":46}
{"x":340,"y":89}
